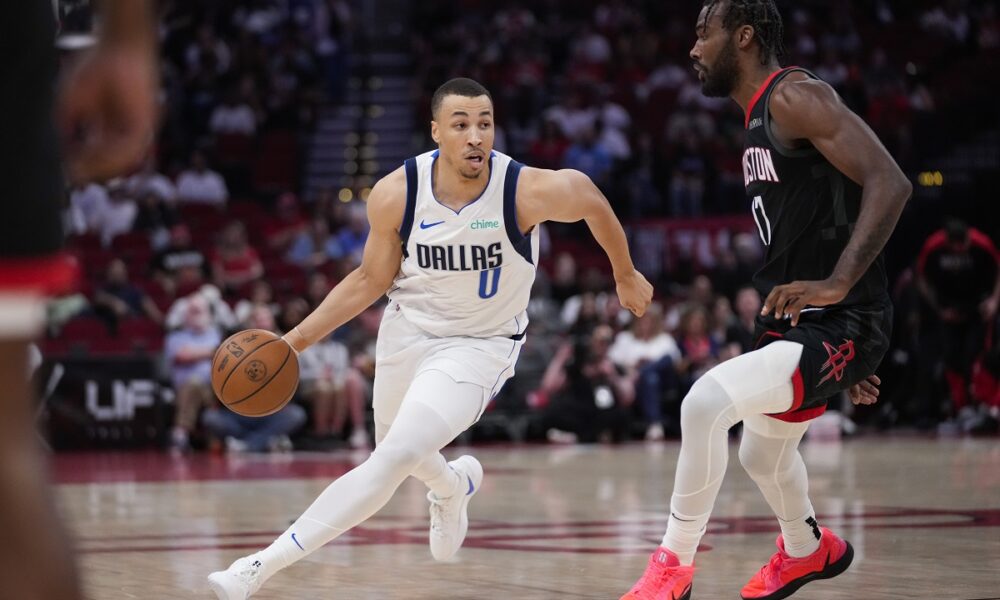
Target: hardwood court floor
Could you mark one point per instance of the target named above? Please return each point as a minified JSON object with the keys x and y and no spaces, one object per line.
{"x":549,"y":523}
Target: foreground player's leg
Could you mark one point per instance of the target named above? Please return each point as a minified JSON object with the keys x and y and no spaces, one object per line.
{"x":769,"y":453}
{"x":754,"y":383}
{"x":435,"y":410}
{"x":35,"y":559}
{"x":452,"y":484}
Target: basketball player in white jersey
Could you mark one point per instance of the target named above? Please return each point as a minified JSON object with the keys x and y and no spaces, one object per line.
{"x":454,"y":243}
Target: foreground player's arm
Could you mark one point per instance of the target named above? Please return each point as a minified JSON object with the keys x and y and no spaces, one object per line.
{"x":568,"y":196}
{"x":811,"y":110}
{"x":107,"y":104}
{"x":379,"y":265}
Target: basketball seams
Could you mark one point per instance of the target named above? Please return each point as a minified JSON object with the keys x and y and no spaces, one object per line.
{"x":269,"y":379}
{"x":238,"y":363}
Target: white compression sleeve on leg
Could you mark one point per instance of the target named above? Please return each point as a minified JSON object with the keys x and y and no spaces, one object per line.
{"x":754,"y":383}
{"x":427,"y":388}
{"x":418,"y":432}
{"x":769,"y":453}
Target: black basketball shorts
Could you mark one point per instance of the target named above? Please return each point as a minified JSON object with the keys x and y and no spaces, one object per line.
{"x":31,"y":184}
{"x":841,"y":347}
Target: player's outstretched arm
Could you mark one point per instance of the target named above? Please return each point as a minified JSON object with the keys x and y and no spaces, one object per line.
{"x":811,"y":110}
{"x":379,"y":265}
{"x":568,"y":196}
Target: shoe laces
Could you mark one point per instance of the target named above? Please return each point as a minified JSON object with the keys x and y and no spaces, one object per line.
{"x":656,"y":577}
{"x":773,"y":567}
{"x":249,"y":573}
{"x":441,"y":512}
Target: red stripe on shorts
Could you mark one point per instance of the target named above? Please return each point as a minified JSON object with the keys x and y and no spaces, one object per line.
{"x":43,"y":275}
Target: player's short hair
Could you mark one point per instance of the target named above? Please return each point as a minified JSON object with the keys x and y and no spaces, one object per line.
{"x":460,"y":86}
{"x":762,"y":15}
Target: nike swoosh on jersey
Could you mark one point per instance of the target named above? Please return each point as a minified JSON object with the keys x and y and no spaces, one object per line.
{"x":429,"y":225}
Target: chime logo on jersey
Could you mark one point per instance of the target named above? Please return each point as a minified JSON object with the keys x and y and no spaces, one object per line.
{"x":459,"y":257}
{"x":758,"y":166}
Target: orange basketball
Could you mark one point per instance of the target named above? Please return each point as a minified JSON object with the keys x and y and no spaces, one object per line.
{"x":255,"y":373}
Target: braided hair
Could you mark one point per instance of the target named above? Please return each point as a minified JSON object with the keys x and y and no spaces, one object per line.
{"x":762,"y":15}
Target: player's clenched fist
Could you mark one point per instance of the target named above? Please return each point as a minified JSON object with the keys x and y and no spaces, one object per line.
{"x":634,"y":292}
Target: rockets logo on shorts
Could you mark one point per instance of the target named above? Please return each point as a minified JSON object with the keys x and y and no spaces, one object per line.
{"x":839,"y":357}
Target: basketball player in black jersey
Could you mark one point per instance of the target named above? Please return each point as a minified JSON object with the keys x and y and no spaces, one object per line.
{"x":826,"y":195}
{"x":106,"y":109}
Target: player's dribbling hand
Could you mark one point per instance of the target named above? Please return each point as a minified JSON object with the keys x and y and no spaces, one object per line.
{"x":865,"y":392}
{"x":787,"y":301}
{"x":634,"y":292}
{"x":107,"y":110}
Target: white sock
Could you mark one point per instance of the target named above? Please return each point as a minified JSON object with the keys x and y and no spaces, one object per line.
{"x":683,"y":535}
{"x":801,"y":535}
{"x":438,"y":476}
{"x":301,"y":539}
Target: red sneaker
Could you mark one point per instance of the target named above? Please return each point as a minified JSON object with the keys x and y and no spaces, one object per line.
{"x":784,"y":575}
{"x":664,"y":579}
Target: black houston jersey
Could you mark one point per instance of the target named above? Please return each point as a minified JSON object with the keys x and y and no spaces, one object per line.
{"x":804,"y":207}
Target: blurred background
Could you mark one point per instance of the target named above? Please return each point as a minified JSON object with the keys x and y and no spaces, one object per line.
{"x":279,"y":115}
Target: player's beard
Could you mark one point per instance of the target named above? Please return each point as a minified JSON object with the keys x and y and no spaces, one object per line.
{"x":721,"y":79}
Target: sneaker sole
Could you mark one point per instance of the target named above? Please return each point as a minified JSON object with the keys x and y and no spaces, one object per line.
{"x":831,"y":571}
{"x":220,"y":591}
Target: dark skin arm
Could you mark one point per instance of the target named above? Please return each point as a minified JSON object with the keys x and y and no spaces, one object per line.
{"x":805,"y":109}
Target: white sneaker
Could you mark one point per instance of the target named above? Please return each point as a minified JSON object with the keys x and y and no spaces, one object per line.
{"x":450,"y":516}
{"x":359,"y":439}
{"x":238,"y":582}
{"x":655,"y":433}
{"x":280,"y":444}
{"x":236,"y":446}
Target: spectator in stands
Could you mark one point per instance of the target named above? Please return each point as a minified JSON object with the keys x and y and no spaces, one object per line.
{"x":179,"y":267}
{"x":255,"y":434}
{"x":739,"y":334}
{"x":288,"y":223}
{"x":150,"y":180}
{"x":188,"y":356}
{"x":235,"y":263}
{"x":335,"y":389}
{"x":590,"y":157}
{"x":155,"y":216}
{"x":315,"y":246}
{"x":687,"y":187}
{"x":589,"y":395}
{"x":564,"y":281}
{"x":317,"y":288}
{"x":221,"y":315}
{"x":119,"y":214}
{"x":207,"y":49}
{"x":549,"y":148}
{"x":201,"y":185}
{"x":699,"y":352}
{"x":352,"y":237}
{"x":84,"y":205}
{"x":958,"y":275}
{"x":233,"y":116}
{"x":292,"y":312}
{"x":261,"y":294}
{"x":117,"y":298}
{"x":722,"y":319}
{"x":648,"y":354}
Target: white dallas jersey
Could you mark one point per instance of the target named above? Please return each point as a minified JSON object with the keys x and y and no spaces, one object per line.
{"x":465,"y":273}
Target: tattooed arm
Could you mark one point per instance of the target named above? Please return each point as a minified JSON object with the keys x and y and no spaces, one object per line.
{"x":804,"y":109}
